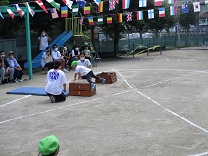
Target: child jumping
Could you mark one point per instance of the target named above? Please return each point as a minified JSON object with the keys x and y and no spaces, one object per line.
{"x":55,"y":80}
{"x":85,"y":73}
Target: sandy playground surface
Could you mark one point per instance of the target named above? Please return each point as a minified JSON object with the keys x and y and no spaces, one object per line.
{"x":158,"y":107}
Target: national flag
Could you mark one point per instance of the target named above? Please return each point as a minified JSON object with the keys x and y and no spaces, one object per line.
{"x":97,"y":1}
{"x":32,"y":12}
{"x":100,"y":7}
{"x":81,"y":20}
{"x":158,"y":2}
{"x":161,"y":12}
{"x":10,"y":12}
{"x":120,"y":18}
{"x":151,"y":14}
{"x":172,"y":1}
{"x":64,"y":11}
{"x":20,"y":12}
{"x":68,"y":3}
{"x":54,"y":13}
{"x":90,"y":19}
{"x":1,"y":15}
{"x":87,"y":10}
{"x":142,"y":3}
{"x":100,"y":19}
{"x":116,"y":1}
{"x":196,"y":6}
{"x":75,"y":9}
{"x":54,"y":4}
{"x":109,"y":20}
{"x":112,"y":5}
{"x":81,"y":3}
{"x":139,"y":15}
{"x":125,"y":4}
{"x":129,"y":16}
{"x":185,"y":9}
{"x":173,"y":10}
{"x":206,"y":5}
{"x":40,"y":3}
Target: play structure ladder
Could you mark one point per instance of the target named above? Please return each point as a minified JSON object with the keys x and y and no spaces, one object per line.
{"x":60,"y":40}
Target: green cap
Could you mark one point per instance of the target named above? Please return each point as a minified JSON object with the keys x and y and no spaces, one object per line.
{"x":48,"y":145}
{"x":74,"y":63}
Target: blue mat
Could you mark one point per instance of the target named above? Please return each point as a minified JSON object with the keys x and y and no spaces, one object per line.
{"x":32,"y":91}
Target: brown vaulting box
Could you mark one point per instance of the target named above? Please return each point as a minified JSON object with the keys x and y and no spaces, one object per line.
{"x":80,"y":88}
{"x":110,"y":77}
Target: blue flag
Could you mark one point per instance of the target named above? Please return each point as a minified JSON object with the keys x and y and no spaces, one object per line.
{"x":185,"y":8}
{"x":81,"y":3}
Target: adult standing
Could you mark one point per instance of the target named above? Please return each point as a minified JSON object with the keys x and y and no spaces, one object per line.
{"x":43,"y":41}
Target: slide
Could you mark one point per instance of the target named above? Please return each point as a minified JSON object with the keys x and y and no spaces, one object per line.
{"x":60,"y":40}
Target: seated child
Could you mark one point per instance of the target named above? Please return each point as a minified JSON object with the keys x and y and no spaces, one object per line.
{"x":87,"y":53}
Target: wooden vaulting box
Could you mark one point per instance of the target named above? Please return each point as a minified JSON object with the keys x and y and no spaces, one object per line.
{"x":80,"y":88}
{"x":110,"y":77}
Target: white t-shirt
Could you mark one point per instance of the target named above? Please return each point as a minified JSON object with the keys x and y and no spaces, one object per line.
{"x":43,"y":42}
{"x":56,"y":55}
{"x":82,"y":70}
{"x":73,"y":53}
{"x":85,"y":63}
{"x":55,"y":80}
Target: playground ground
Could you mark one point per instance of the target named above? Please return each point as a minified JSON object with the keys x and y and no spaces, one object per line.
{"x":158,"y":107}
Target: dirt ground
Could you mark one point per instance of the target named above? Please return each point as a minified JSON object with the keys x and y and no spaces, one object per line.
{"x":158,"y":107}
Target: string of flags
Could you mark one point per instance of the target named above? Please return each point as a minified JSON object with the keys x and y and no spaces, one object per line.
{"x":112,"y":5}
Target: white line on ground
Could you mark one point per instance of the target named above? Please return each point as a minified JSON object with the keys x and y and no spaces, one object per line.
{"x":200,"y":154}
{"x":173,"y":113}
{"x":50,"y":110}
{"x":178,"y":70}
{"x":14,"y":101}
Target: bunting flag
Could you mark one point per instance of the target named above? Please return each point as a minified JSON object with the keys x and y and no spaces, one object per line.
{"x":10,"y":12}
{"x":81,"y":3}
{"x":20,"y":12}
{"x":112,"y":5}
{"x":185,"y":9}
{"x":109,"y":20}
{"x":97,"y":1}
{"x":196,"y":6}
{"x":142,"y":3}
{"x":206,"y":5}
{"x":158,"y":2}
{"x":75,"y":10}
{"x":139,"y":15}
{"x":172,"y":1}
{"x":161,"y":12}
{"x":32,"y":12}
{"x":125,"y":4}
{"x":120,"y":18}
{"x":173,"y":10}
{"x":116,"y":1}
{"x":129,"y":16}
{"x":151,"y":14}
{"x":68,"y":3}
{"x":87,"y":10}
{"x":54,"y":13}
{"x":40,"y":3}
{"x":64,"y":11}
{"x":90,"y":19}
{"x":81,"y":20}
{"x":1,"y":15}
{"x":100,"y":7}
{"x":100,"y":20}
{"x":54,"y":4}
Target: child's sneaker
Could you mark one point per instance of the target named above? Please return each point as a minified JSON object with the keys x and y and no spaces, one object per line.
{"x":52,"y":98}
{"x":103,"y":81}
{"x":92,"y":86}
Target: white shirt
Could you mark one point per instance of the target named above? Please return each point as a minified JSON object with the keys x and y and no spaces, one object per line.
{"x":82,"y":70}
{"x":85,"y":63}
{"x":55,"y":80}
{"x":73,"y":53}
{"x":43,"y":42}
{"x":56,"y":55}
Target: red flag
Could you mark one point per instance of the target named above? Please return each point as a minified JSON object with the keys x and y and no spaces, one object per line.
{"x":40,"y":3}
{"x":54,"y":13}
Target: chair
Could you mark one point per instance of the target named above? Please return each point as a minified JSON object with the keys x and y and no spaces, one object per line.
{"x":95,"y":59}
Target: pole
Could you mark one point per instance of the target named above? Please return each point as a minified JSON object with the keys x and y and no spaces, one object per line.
{"x":28,"y":41}
{"x":179,"y":29}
